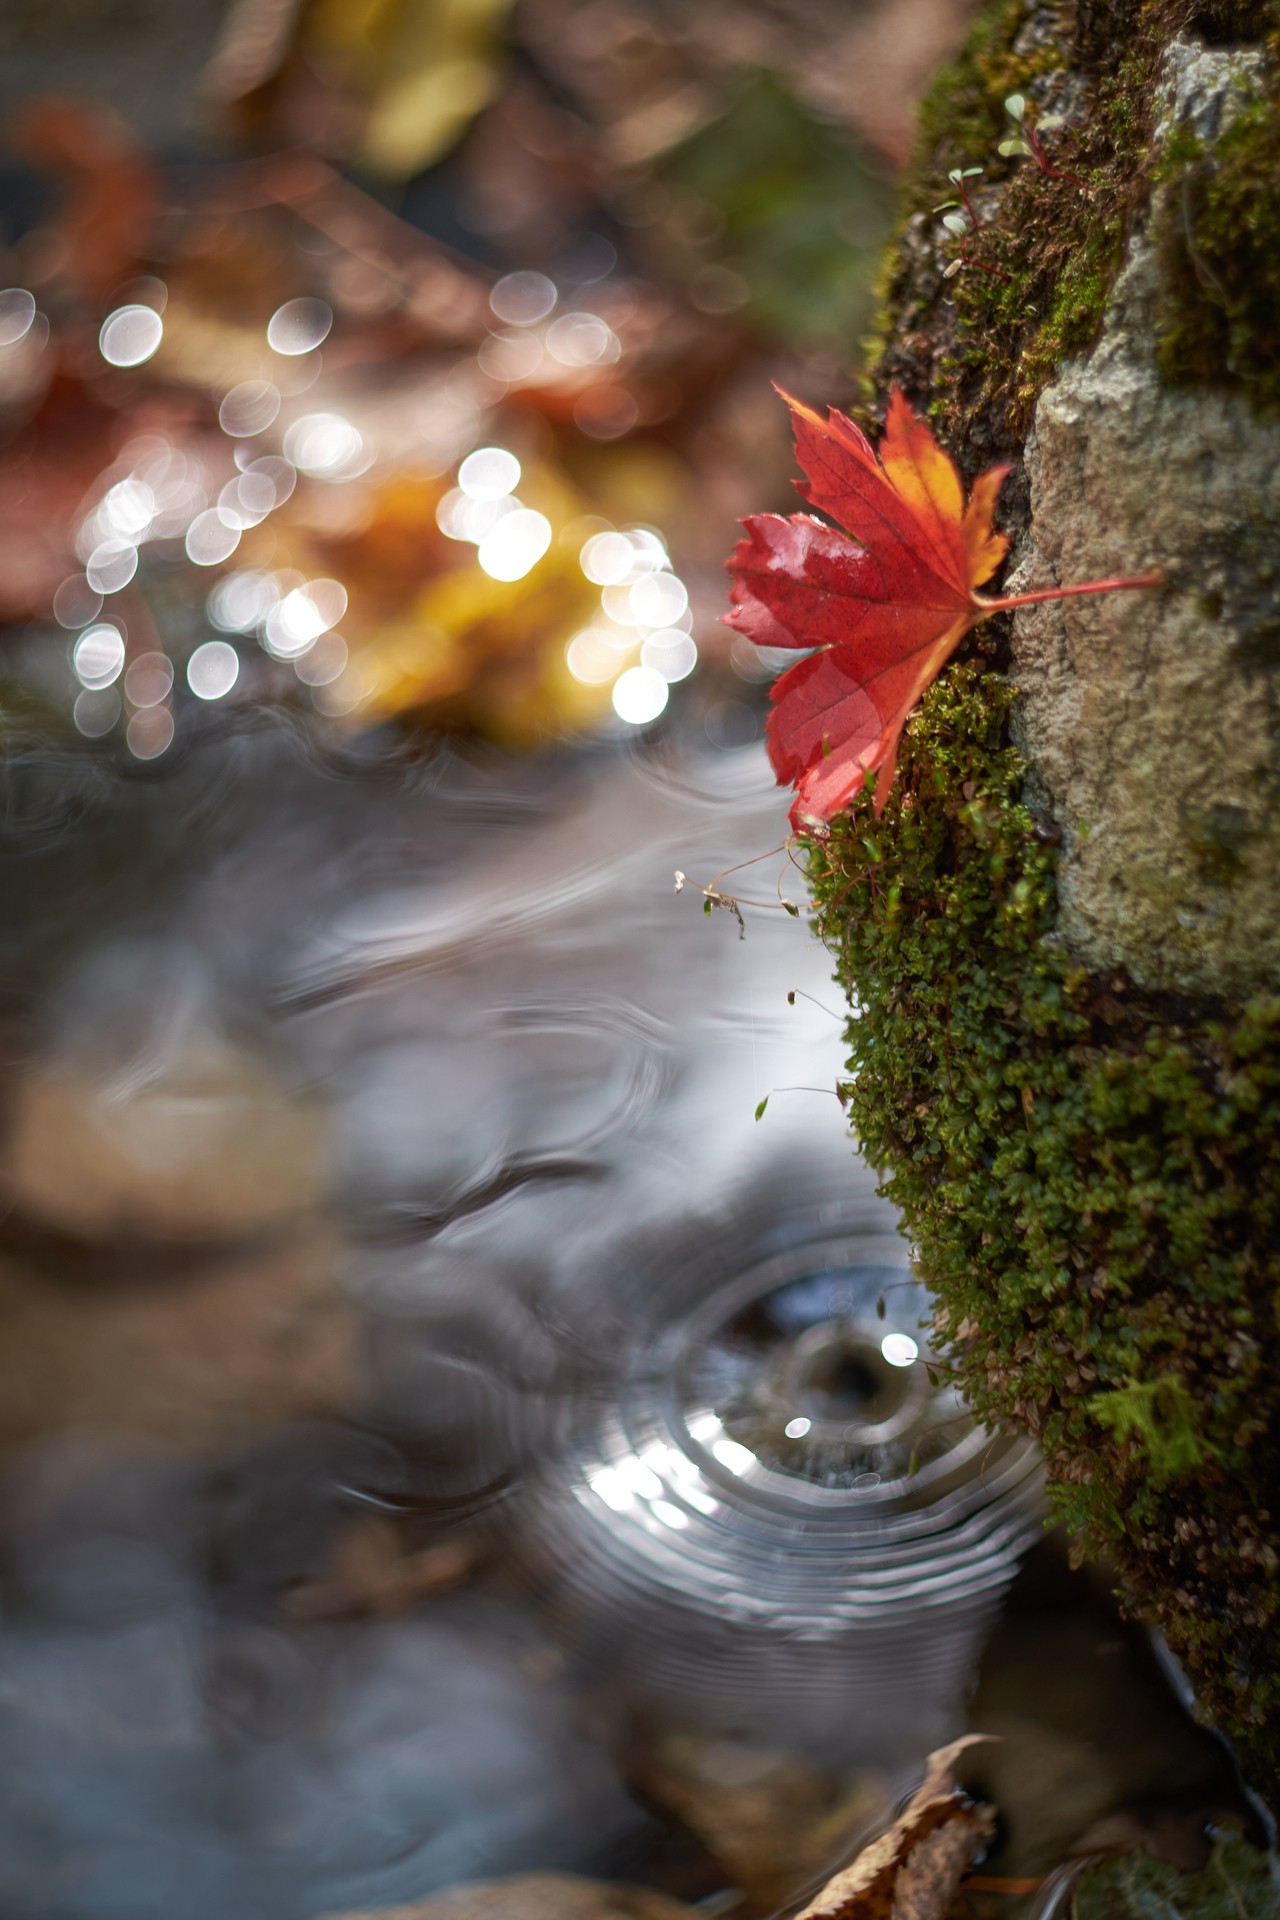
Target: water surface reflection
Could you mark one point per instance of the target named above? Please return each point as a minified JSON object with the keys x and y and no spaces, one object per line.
{"x":447,"y":1435}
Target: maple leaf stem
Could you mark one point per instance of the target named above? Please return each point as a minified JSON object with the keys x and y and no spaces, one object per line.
{"x":1117,"y":584}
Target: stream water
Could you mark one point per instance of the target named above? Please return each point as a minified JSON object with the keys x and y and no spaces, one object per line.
{"x":446,"y":1433}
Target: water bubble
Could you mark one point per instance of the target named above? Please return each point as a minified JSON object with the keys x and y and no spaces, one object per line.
{"x":515,"y":545}
{"x":130,"y":335}
{"x":249,"y":408}
{"x":210,"y":540}
{"x":212,"y":670}
{"x":149,"y":680}
{"x":639,"y":695}
{"x":298,"y":326}
{"x":796,"y":1429}
{"x":111,"y":565}
{"x":522,"y":299}
{"x":489,"y":473}
{"x":17,"y":311}
{"x":899,"y":1349}
{"x":98,"y":655}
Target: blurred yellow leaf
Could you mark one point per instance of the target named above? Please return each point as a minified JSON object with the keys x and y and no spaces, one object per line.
{"x":426,"y":67}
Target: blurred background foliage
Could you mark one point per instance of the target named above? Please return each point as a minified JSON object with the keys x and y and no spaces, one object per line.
{"x":275,"y":270}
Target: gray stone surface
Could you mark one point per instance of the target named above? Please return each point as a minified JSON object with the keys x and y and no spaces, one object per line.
{"x":1152,"y":720}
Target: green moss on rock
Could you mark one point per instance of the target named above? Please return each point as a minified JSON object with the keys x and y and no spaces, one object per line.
{"x":1220,"y":240}
{"x":1091,"y":1180}
{"x":979,"y":347}
{"x":1238,"y":1884}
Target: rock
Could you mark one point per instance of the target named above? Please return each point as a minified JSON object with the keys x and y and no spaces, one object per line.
{"x":536,"y":1896}
{"x":1147,"y":717}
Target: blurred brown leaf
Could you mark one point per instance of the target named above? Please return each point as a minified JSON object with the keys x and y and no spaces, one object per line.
{"x":108,"y":188}
{"x":913,"y":1871}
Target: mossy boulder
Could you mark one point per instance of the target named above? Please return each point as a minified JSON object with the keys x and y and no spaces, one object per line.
{"x":1076,"y":1106}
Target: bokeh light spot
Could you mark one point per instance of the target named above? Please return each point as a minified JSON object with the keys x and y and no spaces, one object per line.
{"x":326,"y":446}
{"x":321,"y":665}
{"x":17,"y":311}
{"x":149,"y":733}
{"x":607,"y":558}
{"x":594,"y":656}
{"x":96,"y":711}
{"x":582,"y":340}
{"x":149,"y":680}
{"x":522,"y":299}
{"x":130,"y":335}
{"x":658,"y":600}
{"x":489,"y":473}
{"x":212,"y":670}
{"x":98,"y":655}
{"x":515,"y":545}
{"x":210,"y":540}
{"x":76,"y":602}
{"x":298,"y":326}
{"x":111,"y":565}
{"x":249,"y":408}
{"x":671,"y":653}
{"x":639,"y":695}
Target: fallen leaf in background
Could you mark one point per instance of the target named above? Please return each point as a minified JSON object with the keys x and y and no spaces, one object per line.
{"x":537,"y":1896}
{"x":391,"y":83}
{"x":913,"y":1871}
{"x":373,"y":1571}
{"x":771,"y":1817}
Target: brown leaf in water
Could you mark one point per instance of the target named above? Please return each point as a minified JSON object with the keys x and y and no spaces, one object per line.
{"x":913,"y":1871}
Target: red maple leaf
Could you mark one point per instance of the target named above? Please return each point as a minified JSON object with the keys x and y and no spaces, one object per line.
{"x":884,"y":609}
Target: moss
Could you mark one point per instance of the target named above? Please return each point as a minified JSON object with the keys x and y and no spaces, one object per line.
{"x":1091,"y":1180}
{"x":1219,"y":321}
{"x":1238,"y":1884}
{"x":978,"y":348}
